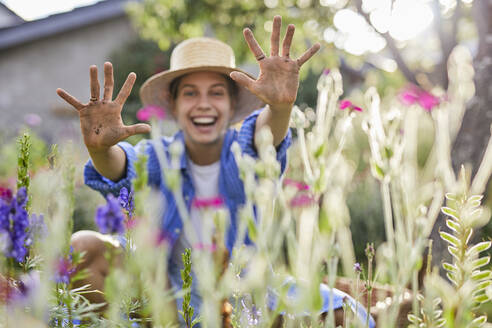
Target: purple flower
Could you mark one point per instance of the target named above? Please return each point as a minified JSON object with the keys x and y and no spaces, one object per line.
{"x":64,"y":269}
{"x":326,"y":71}
{"x":14,"y":222}
{"x":348,"y":104}
{"x":412,"y":94}
{"x":150,"y":111}
{"x":109,"y":218}
{"x":127,"y":201}
{"x":202,"y":203}
{"x":253,"y":315}
{"x":357,"y":268}
{"x":37,"y":229}
{"x":32,"y":119}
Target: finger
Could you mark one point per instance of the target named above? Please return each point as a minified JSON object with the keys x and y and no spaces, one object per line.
{"x":70,"y":99}
{"x":275,"y":38}
{"x":308,"y":54}
{"x":288,"y":40}
{"x":242,"y":79}
{"x":253,"y":44}
{"x":136,"y":129}
{"x":126,"y":88}
{"x":108,"y":82}
{"x":95,"y":88}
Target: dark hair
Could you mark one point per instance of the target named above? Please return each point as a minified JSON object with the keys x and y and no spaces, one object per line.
{"x":232,"y":87}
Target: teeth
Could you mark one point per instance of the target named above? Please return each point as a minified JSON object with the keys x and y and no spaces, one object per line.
{"x":204,"y":120}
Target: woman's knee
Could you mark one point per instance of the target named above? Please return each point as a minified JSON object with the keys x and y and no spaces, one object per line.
{"x":93,"y":245}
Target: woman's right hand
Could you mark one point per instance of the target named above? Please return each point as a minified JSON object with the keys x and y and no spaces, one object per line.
{"x":100,"y":119}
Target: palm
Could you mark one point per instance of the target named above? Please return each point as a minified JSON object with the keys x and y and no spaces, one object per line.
{"x":278,"y":81}
{"x":101,"y":124}
{"x":100,"y":119}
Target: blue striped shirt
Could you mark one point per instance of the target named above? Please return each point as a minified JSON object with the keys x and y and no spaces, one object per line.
{"x":231,"y":187}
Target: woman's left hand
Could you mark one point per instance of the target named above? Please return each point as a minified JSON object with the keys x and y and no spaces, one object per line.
{"x":278,"y":81}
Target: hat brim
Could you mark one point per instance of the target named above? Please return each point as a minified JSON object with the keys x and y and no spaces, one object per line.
{"x":155,"y":91}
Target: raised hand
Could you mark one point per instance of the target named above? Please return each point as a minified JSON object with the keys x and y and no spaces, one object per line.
{"x":100,"y":119}
{"x":278,"y":81}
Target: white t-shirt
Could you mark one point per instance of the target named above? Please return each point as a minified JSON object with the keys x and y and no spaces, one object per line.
{"x":206,"y":182}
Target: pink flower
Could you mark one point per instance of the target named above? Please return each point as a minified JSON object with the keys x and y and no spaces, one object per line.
{"x":344,"y":104}
{"x":146,"y":113}
{"x":412,"y":94}
{"x":326,"y":71}
{"x":348,"y":104}
{"x":130,"y":223}
{"x":302,"y":200}
{"x":202,"y":203}
{"x":6,"y":194}
{"x":298,"y":184}
{"x":205,"y":247}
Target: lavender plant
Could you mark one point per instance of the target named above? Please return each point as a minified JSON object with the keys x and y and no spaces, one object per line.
{"x":187,"y":310}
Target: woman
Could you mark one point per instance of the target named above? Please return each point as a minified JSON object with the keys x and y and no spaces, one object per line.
{"x":205,"y":94}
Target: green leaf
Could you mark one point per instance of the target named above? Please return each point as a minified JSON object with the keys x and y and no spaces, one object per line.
{"x":480,"y":247}
{"x":454,"y":251}
{"x":413,"y":319}
{"x":252,"y":232}
{"x":377,"y":171}
{"x":452,"y":278}
{"x":449,"y":267}
{"x":483,"y":285}
{"x":481,"y":275}
{"x":478,"y":263}
{"x":453,"y":225}
{"x":441,"y":322}
{"x":319,"y":151}
{"x":479,"y":321}
{"x":482,"y":298}
{"x":450,"y":239}
{"x":451,"y":196}
{"x":475,"y":198}
{"x":450,"y":212}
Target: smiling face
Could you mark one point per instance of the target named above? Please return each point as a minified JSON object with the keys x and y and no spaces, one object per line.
{"x":203,"y":108}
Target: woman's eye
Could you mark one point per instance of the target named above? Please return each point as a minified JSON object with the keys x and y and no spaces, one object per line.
{"x":189,"y":93}
{"x":218,"y":93}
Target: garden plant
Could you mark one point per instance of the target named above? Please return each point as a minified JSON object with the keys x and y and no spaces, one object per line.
{"x":300,"y":226}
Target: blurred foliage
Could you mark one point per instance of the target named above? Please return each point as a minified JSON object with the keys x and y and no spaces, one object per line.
{"x":8,"y":154}
{"x":169,"y":22}
{"x":40,"y":160}
{"x":145,"y":59}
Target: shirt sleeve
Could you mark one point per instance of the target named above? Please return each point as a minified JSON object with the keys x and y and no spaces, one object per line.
{"x":104,"y":185}
{"x":246,"y":140}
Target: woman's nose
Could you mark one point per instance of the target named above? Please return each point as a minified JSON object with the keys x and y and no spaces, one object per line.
{"x":204,"y":102}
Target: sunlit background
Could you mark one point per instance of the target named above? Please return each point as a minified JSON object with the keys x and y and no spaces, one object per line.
{"x":402,"y":19}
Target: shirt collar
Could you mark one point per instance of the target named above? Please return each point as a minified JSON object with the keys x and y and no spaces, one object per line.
{"x":183,"y":165}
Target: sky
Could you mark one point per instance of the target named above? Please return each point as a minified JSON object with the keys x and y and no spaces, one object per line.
{"x":34,"y":9}
{"x":403,"y":19}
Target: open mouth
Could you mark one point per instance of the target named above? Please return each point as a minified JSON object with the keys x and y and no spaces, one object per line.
{"x":204,"y":121}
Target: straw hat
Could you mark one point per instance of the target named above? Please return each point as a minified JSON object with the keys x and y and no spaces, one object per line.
{"x":193,"y":55}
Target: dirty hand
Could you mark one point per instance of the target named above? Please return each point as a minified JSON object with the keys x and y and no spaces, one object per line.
{"x":100,"y":119}
{"x":278,"y":81}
